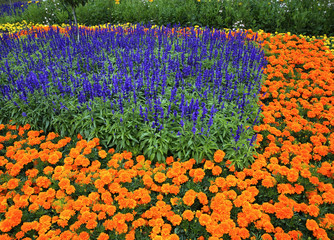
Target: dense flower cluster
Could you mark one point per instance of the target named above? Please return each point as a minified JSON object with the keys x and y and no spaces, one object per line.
{"x":15,"y":8}
{"x":74,"y":189}
{"x":182,"y":85}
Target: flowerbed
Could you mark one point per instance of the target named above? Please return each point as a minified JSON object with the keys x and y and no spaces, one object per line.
{"x":75,"y":189}
{"x":185,"y":95}
{"x":13,"y":9}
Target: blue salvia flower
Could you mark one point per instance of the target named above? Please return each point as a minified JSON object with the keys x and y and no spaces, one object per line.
{"x":138,"y":71}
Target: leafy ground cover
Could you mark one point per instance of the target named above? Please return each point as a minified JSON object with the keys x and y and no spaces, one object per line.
{"x":75,"y":189}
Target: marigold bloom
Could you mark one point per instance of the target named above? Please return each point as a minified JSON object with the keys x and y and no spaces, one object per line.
{"x":231,"y":180}
{"x":219,"y":156}
{"x":296,"y":235}
{"x":311,"y":225}
{"x":160,"y":177}
{"x":198,"y":175}
{"x":102,"y":154}
{"x":205,"y":219}
{"x":173,"y":237}
{"x":43,"y":182}
{"x":63,"y":183}
{"x":188,"y":215}
{"x":243,"y":233}
{"x":268,"y":182}
{"x":284,"y":212}
{"x":54,"y":157}
{"x":313,"y":210}
{"x":189,"y":197}
{"x":13,"y":183}
{"x":213,"y":189}
{"x":208,"y":164}
{"x":175,"y":220}
{"x":216,"y":170}
{"x":202,"y":198}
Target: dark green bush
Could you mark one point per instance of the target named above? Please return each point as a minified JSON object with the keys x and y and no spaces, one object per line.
{"x":310,"y":17}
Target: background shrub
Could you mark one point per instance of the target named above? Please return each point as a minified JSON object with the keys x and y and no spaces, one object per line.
{"x":310,"y":17}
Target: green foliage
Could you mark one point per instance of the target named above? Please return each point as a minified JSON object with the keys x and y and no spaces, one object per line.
{"x":9,"y":19}
{"x":74,"y":3}
{"x":96,"y":12}
{"x":309,"y":17}
{"x":49,"y":12}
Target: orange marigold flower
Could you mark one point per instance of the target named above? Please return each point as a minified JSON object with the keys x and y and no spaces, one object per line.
{"x":91,"y":224}
{"x":315,"y":199}
{"x":106,"y":178}
{"x":282,"y":236}
{"x":160,"y":197}
{"x":314,"y":180}
{"x":268,"y":182}
{"x":74,"y":153}
{"x":70,"y":189}
{"x":213,"y":189}
{"x":127,"y":155}
{"x":284,"y":212}
{"x":202,"y":198}
{"x":205,"y":219}
{"x":148,"y":181}
{"x":216,"y":170}
{"x":84,"y":236}
{"x":160,"y":177}
{"x":311,"y":225}
{"x":43,"y":182}
{"x":189,"y":197}
{"x":243,"y":233}
{"x":102,"y":154}
{"x":208,"y":164}
{"x":219,"y":156}
{"x":13,"y":183}
{"x":68,"y":160}
{"x":63,"y":183}
{"x":66,"y":235}
{"x":198,"y":175}
{"x":175,"y":220}
{"x":174,"y":201}
{"x":188,"y":215}
{"x":296,"y":235}
{"x":6,"y":226}
{"x":51,"y":136}
{"x":313,"y":210}
{"x":169,"y":160}
{"x":173,"y":237}
{"x":54,"y":157}
{"x":292,"y":175}
{"x":231,"y":180}
{"x":266,"y":236}
{"x":18,"y":235}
